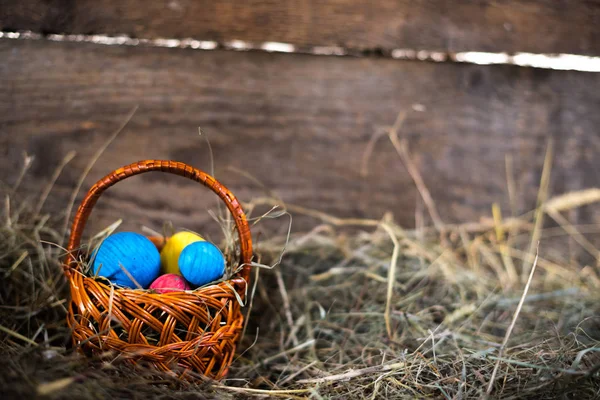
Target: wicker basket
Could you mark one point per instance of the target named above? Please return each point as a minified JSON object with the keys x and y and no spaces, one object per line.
{"x":178,"y":331}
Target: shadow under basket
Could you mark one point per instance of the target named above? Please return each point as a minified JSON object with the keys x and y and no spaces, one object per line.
{"x":175,"y":332}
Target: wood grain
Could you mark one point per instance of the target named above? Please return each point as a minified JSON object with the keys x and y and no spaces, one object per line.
{"x":299,"y":124}
{"x":542,"y":26}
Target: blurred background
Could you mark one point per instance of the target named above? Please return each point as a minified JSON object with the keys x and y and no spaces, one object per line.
{"x":308,"y":121}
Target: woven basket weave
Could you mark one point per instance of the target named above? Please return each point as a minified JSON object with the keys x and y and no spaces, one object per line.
{"x":176,"y":332}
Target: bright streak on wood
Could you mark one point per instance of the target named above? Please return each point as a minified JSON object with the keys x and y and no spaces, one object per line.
{"x":278,"y":47}
{"x":238,"y":45}
{"x":560,"y":61}
{"x":481,"y":58}
{"x":545,"y":61}
{"x":572,"y":62}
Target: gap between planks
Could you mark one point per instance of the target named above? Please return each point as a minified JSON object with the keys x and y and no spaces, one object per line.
{"x":571,"y":62}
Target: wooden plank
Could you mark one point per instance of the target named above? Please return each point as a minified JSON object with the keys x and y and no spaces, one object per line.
{"x":543,"y":26}
{"x":300,"y":124}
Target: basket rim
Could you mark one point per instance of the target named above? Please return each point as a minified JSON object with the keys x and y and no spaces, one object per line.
{"x":240,"y":278}
{"x":228,"y":284}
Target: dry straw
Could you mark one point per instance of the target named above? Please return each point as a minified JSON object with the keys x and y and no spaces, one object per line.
{"x":449,"y":314}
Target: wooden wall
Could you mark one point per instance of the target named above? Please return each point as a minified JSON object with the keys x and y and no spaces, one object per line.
{"x":301,"y":123}
{"x":540,"y":26}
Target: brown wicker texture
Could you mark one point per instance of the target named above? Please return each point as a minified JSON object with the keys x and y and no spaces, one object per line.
{"x":177,"y":331}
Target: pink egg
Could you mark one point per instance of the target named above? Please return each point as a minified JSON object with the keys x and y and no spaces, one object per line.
{"x":169,"y":283}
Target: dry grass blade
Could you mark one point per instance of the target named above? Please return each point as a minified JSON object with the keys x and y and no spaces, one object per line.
{"x":355,"y":373}
{"x":27,"y":160}
{"x":67,"y":159}
{"x":391,"y":278}
{"x":50,"y":388}
{"x":512,"y":326}
{"x":299,"y":347}
{"x":286,"y":304}
{"x":401,"y":149}
{"x":287,"y":394}
{"x":509,"y":266}
{"x":89,"y":167}
{"x":539,"y":213}
{"x":573,"y":232}
{"x":572,"y":200}
{"x":18,"y":335}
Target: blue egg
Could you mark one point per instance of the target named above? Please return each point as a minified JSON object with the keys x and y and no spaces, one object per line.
{"x":135,"y":252}
{"x":201,"y":263}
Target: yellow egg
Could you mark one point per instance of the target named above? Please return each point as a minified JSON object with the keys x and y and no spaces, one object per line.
{"x":169,"y":256}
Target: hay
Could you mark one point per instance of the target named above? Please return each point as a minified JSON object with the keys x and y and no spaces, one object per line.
{"x":450,"y":310}
{"x":378,"y":312}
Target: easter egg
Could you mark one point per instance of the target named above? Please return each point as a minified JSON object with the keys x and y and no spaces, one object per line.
{"x":134,"y":252}
{"x":169,"y":283}
{"x":169,"y":256}
{"x":201,"y":263}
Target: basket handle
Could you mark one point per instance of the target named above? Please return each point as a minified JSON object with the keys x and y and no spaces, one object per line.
{"x":172,"y":167}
